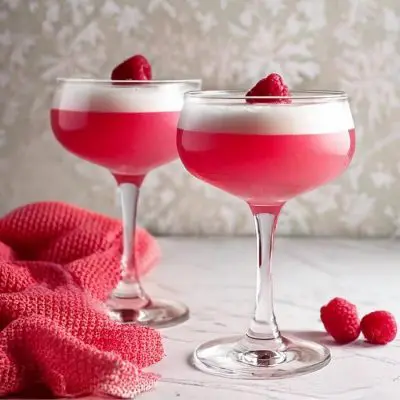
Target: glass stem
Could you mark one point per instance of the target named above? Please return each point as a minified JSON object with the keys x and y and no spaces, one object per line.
{"x":263,"y":325}
{"x":130,"y":285}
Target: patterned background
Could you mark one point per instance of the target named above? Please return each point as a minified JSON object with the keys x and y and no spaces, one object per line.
{"x":352,"y":45}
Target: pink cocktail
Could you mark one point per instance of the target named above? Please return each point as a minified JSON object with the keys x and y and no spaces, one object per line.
{"x":265,"y":153}
{"x":128,"y":127}
{"x":127,"y":153}
{"x":266,"y":169}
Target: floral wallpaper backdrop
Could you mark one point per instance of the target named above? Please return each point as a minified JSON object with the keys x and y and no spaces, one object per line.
{"x":352,"y":45}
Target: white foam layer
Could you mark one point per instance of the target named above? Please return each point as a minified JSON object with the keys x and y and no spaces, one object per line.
{"x":109,"y":98}
{"x":241,"y":118}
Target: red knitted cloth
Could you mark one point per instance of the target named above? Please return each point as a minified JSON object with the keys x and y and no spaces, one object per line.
{"x":57,"y":262}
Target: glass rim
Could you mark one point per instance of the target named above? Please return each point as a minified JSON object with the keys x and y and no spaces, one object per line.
{"x":126,"y":82}
{"x":309,"y":95}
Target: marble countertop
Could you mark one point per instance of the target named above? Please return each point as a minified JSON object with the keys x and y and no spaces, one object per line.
{"x":215,"y":278}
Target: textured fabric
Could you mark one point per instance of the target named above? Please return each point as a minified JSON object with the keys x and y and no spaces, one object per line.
{"x":57,"y":264}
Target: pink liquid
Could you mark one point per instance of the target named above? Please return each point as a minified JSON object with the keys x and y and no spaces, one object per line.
{"x":265,"y":170}
{"x":128,"y":144}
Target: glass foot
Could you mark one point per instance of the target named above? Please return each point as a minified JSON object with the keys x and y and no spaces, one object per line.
{"x":156,"y":313}
{"x":233,"y":357}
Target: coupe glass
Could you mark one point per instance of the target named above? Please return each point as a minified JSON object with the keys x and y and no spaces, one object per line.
{"x":264,"y":153}
{"x":128,"y":127}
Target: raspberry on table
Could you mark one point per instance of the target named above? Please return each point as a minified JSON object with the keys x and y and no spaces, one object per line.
{"x":272,"y":85}
{"x":136,"y":67}
{"x":340,"y":319}
{"x":379,"y":327}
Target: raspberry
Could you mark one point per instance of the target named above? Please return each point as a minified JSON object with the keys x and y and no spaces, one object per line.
{"x":133,"y":68}
{"x":272,"y":85}
{"x":341,"y":320}
{"x":379,"y":327}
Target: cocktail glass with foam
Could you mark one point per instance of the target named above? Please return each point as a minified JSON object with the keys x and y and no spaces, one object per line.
{"x":128,"y":127}
{"x":264,"y":153}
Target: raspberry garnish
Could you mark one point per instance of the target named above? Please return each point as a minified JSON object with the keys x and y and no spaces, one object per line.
{"x":341,"y":320}
{"x":379,"y":327}
{"x":134,"y":68}
{"x":272,"y":85}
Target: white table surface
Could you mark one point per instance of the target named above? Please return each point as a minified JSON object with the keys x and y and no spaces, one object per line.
{"x":216,"y":277}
